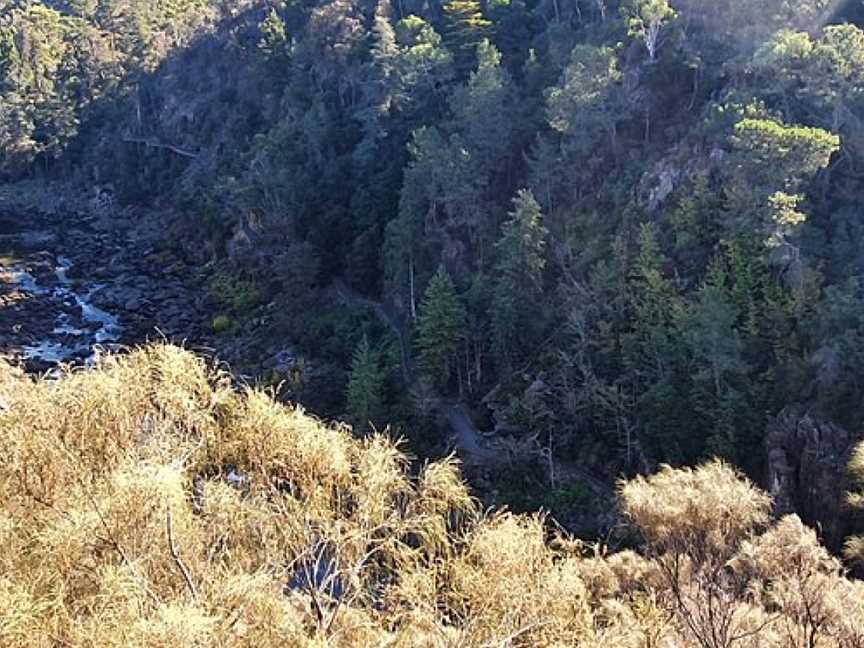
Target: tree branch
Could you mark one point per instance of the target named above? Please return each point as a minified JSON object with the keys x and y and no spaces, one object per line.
{"x":154,"y":143}
{"x":172,"y":547}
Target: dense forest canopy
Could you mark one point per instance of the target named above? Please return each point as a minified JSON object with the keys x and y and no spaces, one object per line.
{"x":628,"y":232}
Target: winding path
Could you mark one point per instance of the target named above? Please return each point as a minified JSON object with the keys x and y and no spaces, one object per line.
{"x":473,"y":444}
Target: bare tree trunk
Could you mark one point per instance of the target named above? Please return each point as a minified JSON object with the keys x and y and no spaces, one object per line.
{"x":468,"y":364}
{"x":601,"y":5}
{"x":550,"y":458}
{"x":696,"y":73}
{"x":412,"y":297}
{"x":138,"y":107}
{"x":647,"y":124}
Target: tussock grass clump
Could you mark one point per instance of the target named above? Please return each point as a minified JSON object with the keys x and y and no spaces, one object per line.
{"x":149,"y":502}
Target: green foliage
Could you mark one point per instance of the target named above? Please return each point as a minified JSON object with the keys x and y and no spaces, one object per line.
{"x":834,"y":330}
{"x":519,"y":277}
{"x":818,"y":79}
{"x":482,"y":108}
{"x":221,"y":324}
{"x":585,"y":104}
{"x":275,"y":43}
{"x":773,"y":159}
{"x":646,"y":20}
{"x":54,"y":66}
{"x":365,"y":390}
{"x":466,"y":27}
{"x":718,"y":372}
{"x":781,"y":154}
{"x":522,"y":491}
{"x":238,"y":295}
{"x":440,"y":330}
{"x":335,"y":333}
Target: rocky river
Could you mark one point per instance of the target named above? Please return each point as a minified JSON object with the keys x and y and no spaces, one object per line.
{"x":73,"y":285}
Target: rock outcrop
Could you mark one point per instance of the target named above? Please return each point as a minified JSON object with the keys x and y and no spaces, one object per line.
{"x":807,"y":459}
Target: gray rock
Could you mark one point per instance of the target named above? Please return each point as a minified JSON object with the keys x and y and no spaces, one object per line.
{"x":806,"y":472}
{"x":282,"y":361}
{"x":133,"y":304}
{"x":31,"y":240}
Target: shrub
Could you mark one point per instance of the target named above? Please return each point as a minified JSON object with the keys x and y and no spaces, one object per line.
{"x":221,"y":323}
{"x":148,"y":502}
{"x":237,"y":295}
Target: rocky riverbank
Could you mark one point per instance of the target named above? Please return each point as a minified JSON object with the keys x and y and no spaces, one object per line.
{"x":76,"y":279}
{"x":70,"y":281}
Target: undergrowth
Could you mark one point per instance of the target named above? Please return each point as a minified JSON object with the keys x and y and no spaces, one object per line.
{"x":149,"y":502}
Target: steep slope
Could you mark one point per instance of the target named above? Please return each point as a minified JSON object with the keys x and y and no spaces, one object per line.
{"x":150,"y":503}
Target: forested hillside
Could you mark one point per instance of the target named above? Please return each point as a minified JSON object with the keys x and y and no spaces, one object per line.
{"x":619,"y":233}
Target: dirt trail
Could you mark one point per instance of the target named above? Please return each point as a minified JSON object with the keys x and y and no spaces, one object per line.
{"x":474,"y":445}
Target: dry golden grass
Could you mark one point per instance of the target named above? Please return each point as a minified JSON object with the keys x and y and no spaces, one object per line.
{"x":149,"y":503}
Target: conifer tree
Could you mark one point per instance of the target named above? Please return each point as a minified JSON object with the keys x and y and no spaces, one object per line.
{"x":440,"y":330}
{"x":365,"y":395}
{"x":466,"y":28}
{"x":587,"y":102}
{"x":520,"y":268}
{"x":718,"y":373}
{"x":483,"y":110}
{"x":652,"y":353}
{"x":275,"y":43}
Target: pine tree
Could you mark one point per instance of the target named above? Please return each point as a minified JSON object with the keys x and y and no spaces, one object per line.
{"x":466,"y":28}
{"x":483,"y":110}
{"x":520,"y":268}
{"x":587,"y":104}
{"x":652,"y":354}
{"x":365,"y":392}
{"x":717,"y":371}
{"x":440,"y":330}
{"x":275,"y":43}
{"x":773,"y":161}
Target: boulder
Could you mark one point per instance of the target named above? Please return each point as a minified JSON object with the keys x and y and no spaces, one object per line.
{"x":282,"y":361}
{"x":133,"y":304}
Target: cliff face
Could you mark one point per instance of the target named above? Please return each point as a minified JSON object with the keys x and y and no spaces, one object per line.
{"x":806,"y":473}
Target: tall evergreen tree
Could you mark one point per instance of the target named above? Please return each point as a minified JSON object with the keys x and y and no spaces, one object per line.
{"x":365,"y":391}
{"x":466,"y":28}
{"x":483,"y":111}
{"x":275,"y":42}
{"x":652,"y":354}
{"x":521,"y":262}
{"x":440,"y":330}
{"x":587,"y":102}
{"x":718,"y":373}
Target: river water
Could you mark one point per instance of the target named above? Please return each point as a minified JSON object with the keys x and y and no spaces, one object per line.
{"x":46,"y":316}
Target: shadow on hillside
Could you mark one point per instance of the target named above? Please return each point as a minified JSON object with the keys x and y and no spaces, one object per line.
{"x":171,"y":121}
